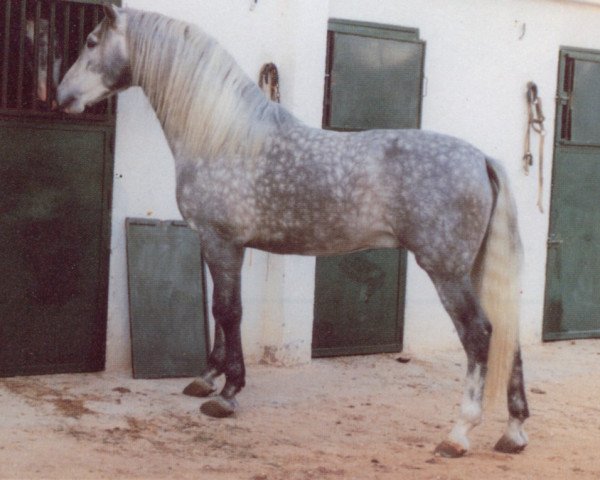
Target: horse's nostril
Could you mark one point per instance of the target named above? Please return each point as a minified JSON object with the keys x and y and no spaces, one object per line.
{"x":64,"y":101}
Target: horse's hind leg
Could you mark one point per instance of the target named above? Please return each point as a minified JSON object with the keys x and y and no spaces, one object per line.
{"x":515,"y":439}
{"x":474,"y":330}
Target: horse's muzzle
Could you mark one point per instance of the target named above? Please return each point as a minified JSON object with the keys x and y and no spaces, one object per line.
{"x":67,"y":102}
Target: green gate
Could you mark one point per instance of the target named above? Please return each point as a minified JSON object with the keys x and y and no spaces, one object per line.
{"x":572,"y":303}
{"x":56,"y":179}
{"x":373,"y":80}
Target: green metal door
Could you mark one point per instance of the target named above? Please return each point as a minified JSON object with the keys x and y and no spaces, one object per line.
{"x":55,"y":182}
{"x":55,"y":190}
{"x":373,"y":80}
{"x":169,"y":332}
{"x":572,"y":304}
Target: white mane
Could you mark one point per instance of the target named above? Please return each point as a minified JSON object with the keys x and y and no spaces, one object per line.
{"x":205,"y":102}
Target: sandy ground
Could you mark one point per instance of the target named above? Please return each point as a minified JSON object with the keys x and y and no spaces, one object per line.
{"x":348,"y":418}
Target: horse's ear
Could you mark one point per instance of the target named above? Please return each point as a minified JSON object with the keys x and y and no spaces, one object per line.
{"x":111,"y":13}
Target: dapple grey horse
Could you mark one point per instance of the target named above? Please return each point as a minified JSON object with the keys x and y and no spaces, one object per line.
{"x":249,"y":174}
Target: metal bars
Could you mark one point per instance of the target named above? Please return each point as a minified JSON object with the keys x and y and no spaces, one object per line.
{"x":567,"y":112}
{"x":65,"y":44}
{"x":21,"y":36}
{"x":51,"y":67}
{"x":5,"y":52}
{"x":37,"y":67}
{"x":39,"y":40}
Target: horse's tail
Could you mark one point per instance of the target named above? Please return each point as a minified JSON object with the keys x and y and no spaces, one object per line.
{"x":496,"y":277}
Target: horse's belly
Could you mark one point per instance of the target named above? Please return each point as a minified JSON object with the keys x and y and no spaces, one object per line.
{"x":318,"y":249}
{"x":322,"y":234}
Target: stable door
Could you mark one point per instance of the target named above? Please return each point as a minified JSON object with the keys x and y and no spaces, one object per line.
{"x":572,"y":304}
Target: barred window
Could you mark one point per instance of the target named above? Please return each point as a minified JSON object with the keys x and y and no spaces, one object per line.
{"x":39,"y":40}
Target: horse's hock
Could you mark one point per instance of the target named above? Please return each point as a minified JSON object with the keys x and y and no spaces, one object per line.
{"x":56,"y":180}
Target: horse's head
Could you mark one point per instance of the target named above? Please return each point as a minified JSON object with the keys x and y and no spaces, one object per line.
{"x":102,"y":68}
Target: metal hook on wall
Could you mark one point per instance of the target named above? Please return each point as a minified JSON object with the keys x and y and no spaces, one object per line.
{"x":253,"y":4}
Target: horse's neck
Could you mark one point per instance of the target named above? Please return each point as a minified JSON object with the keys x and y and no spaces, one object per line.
{"x":208,"y":107}
{"x":267,"y":120}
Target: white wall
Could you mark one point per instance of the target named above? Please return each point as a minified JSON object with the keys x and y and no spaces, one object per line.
{"x":480,"y":54}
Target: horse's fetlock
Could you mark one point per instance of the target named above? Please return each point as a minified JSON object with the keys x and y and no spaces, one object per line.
{"x":232,"y":387}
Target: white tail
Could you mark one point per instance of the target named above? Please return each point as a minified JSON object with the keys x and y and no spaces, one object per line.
{"x":497,"y":279}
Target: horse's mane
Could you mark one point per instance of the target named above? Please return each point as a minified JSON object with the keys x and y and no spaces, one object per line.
{"x":207,"y":105}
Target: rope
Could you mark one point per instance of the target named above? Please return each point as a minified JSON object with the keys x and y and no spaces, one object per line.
{"x":535,"y":122}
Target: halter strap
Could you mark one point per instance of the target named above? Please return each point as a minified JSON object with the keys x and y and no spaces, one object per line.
{"x":535,"y":122}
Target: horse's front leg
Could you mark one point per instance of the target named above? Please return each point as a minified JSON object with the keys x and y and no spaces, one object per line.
{"x":205,"y":385}
{"x":224,"y":262}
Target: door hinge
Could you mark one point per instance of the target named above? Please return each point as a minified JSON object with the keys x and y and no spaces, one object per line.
{"x":564,"y":99}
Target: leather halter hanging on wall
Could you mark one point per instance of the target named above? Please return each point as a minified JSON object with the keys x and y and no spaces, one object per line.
{"x":535,"y":122}
{"x":268,"y":81}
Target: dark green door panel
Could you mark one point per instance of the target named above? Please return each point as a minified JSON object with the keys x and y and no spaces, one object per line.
{"x":572,"y":304}
{"x":360,"y":298}
{"x":373,"y":80}
{"x":573,"y":308}
{"x":55,"y":184}
{"x":166,"y":299}
{"x":583,"y":106}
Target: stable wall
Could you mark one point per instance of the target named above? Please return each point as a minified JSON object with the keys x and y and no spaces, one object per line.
{"x":480,"y":54}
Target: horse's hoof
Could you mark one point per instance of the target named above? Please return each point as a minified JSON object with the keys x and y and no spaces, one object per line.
{"x":219,"y":407}
{"x":199,"y":388}
{"x":448,"y":449}
{"x":508,"y":445}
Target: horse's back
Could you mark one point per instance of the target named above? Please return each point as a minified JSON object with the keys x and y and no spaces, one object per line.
{"x":328,"y":192}
{"x":315,"y":192}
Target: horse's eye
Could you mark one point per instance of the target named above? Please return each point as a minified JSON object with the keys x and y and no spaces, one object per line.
{"x":91,"y":43}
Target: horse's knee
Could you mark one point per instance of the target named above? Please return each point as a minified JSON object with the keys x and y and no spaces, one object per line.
{"x":227,"y":313}
{"x":231,"y":359}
